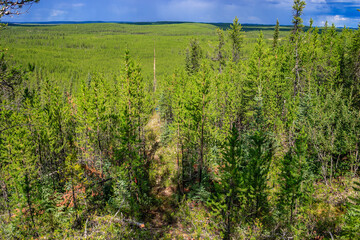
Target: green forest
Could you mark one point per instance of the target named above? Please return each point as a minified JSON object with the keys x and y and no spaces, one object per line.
{"x":179,"y":131}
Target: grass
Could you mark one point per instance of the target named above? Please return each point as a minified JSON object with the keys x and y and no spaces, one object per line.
{"x":70,"y":52}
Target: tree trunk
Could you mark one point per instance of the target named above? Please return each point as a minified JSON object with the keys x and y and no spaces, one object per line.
{"x":154,"y":68}
{"x":6,"y":198}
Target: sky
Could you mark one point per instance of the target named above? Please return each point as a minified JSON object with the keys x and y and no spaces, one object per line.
{"x":340,"y":12}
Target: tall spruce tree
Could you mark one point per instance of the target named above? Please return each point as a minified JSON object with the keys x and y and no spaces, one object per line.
{"x":295,"y":38}
{"x":236,"y":38}
{"x":259,"y":75}
{"x":132,"y":150}
{"x":293,"y":166}
{"x":260,"y":154}
{"x":298,"y":7}
{"x":197,"y":106}
{"x":276,"y":34}
{"x":219,"y":51}
{"x":232,"y":183}
{"x":193,"y":57}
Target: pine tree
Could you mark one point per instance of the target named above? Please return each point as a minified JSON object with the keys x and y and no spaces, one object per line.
{"x":176,"y":89}
{"x":197,"y":105}
{"x":193,"y":57}
{"x":232,"y":180}
{"x":51,"y":145}
{"x":184,"y":127}
{"x":236,"y":38}
{"x":354,"y":67}
{"x":260,"y":154}
{"x":259,"y":75}
{"x":276,"y":34}
{"x":93,"y":122}
{"x":219,"y":52}
{"x":295,"y":38}
{"x":292,"y":176}
{"x":22,"y":161}
{"x":298,"y":8}
{"x":131,"y":152}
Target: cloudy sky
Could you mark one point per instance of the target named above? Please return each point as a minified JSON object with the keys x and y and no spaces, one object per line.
{"x":339,"y":12}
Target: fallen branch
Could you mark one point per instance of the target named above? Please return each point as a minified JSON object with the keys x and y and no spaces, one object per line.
{"x":85,"y":233}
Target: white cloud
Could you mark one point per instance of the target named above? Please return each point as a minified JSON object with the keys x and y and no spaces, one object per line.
{"x":57,"y":13}
{"x":337,"y":20}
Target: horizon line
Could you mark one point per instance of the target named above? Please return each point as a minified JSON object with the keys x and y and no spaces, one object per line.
{"x":145,"y":22}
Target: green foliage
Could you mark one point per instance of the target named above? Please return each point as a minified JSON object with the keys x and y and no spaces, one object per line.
{"x":193,"y":57}
{"x":352,"y":227}
{"x":232,"y":185}
{"x":259,"y":75}
{"x":220,"y":55}
{"x":10,"y":78}
{"x":260,"y":154}
{"x":266,"y":143}
{"x":236,"y":38}
{"x":298,"y":8}
{"x":292,"y":178}
{"x":196,"y":221}
{"x":276,"y":34}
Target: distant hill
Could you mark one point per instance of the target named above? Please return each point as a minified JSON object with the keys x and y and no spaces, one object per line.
{"x":247,"y":27}
{"x":220,"y":25}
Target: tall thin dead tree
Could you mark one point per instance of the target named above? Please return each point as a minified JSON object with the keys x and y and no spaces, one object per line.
{"x":154,"y":67}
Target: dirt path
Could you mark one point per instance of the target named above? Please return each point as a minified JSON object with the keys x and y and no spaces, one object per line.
{"x":161,"y":177}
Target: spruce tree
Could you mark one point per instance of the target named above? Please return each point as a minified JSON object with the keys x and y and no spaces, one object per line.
{"x":295,"y":38}
{"x":260,"y":154}
{"x":276,"y":34}
{"x":229,"y":197}
{"x":298,"y":7}
{"x":198,"y":105}
{"x":354,"y":71}
{"x":219,"y":52}
{"x":236,"y":38}
{"x":131,"y":152}
{"x":193,"y":57}
{"x":293,"y":166}
{"x":232,"y":180}
{"x":259,"y":75}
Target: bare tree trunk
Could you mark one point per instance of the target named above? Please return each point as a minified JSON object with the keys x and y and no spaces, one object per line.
{"x":154,"y":68}
{"x":297,"y":74}
{"x":6,"y":198}
{"x":178,"y":161}
{"x":201,"y":162}
{"x":28,"y":198}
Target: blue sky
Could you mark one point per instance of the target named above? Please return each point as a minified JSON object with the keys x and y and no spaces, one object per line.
{"x":339,"y":12}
